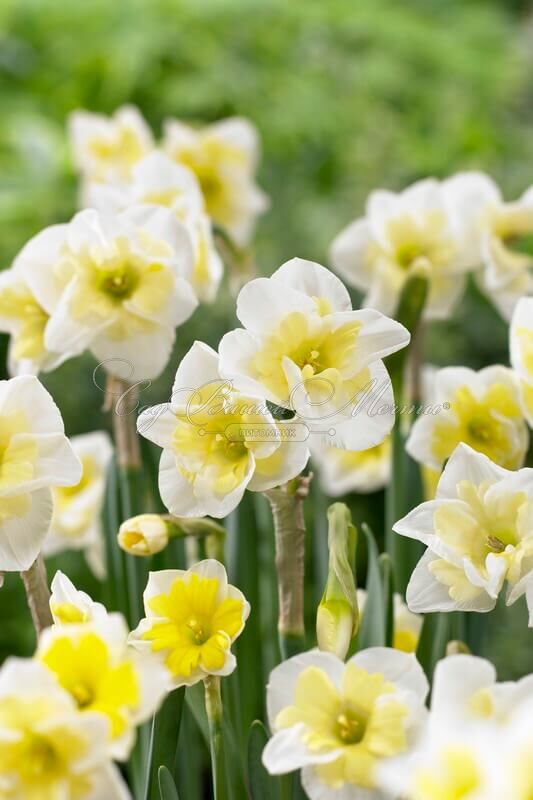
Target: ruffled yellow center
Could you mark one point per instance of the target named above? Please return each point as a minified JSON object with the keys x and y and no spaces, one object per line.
{"x":492,"y":424}
{"x":96,"y":680}
{"x":363,"y":720}
{"x":457,"y":778}
{"x":119,"y":150}
{"x":195,"y":627}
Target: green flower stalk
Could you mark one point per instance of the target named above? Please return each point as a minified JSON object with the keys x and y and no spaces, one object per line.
{"x":38,"y":594}
{"x":337,"y":619}
{"x":214,"y":709}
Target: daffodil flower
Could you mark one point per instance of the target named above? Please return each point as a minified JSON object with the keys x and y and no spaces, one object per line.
{"x":482,"y":409}
{"x":217,"y":442}
{"x":106,"y":148}
{"x":362,"y":471}
{"x":35,"y":455}
{"x":48,"y":749}
{"x":116,"y":285}
{"x":192,"y":619}
{"x":344,"y":724}
{"x":76,"y":522}
{"x":22,"y":316}
{"x":94,"y":664}
{"x":223,"y":156}
{"x":399,"y":234}
{"x":479,"y":534}
{"x":502,"y":232}
{"x":521,"y":346}
{"x":407,"y":626}
{"x":305,"y":349}
{"x":160,"y":181}
{"x":70,"y":606}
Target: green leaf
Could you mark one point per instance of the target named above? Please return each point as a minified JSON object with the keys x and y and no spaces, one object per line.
{"x":433,"y":640}
{"x":167,"y":787}
{"x":375,"y":625}
{"x":262,"y":785}
{"x":387,"y":583}
{"x":164,"y":740}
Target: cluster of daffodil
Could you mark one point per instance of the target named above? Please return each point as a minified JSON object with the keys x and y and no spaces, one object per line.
{"x":303,"y":378}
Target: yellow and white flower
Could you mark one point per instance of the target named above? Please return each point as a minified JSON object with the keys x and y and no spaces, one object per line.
{"x":521,"y":346}
{"x":106,"y":148}
{"x":407,"y":625}
{"x":192,"y":619}
{"x":22,"y":316}
{"x":305,"y":349}
{"x":76,"y":522}
{"x":223,"y":156}
{"x":400,"y":234}
{"x":93,"y":662}
{"x":35,"y":455}
{"x":158,"y":180}
{"x":48,"y":749}
{"x":362,"y":471}
{"x":116,"y":285}
{"x":479,"y":534}
{"x":344,"y":725}
{"x":481,"y":409}
{"x":502,"y":233}
{"x":69,"y":606}
{"x":217,"y":442}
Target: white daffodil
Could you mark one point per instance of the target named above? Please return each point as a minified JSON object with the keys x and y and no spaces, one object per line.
{"x":116,"y":285}
{"x":25,"y":320}
{"x":36,"y":455}
{"x":502,"y":233}
{"x":71,"y":606}
{"x":192,"y":619}
{"x":76,"y":522}
{"x":342,"y":471}
{"x":48,"y":749}
{"x":344,"y":724}
{"x":481,"y":409}
{"x":305,"y":349}
{"x":400,"y":234}
{"x":521,"y":346}
{"x":158,"y":180}
{"x":479,"y":534}
{"x":103,"y":674}
{"x":223,"y":156}
{"x":407,"y":625}
{"x":216,"y":441}
{"x":106,"y":148}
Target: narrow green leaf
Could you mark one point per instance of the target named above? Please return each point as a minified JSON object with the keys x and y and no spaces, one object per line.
{"x":164,"y":740}
{"x":167,"y":787}
{"x":433,"y":640}
{"x":262,"y":785}
{"x":374,"y":623}
{"x":387,"y":583}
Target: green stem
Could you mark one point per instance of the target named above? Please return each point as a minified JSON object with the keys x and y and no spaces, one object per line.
{"x":289,"y":531}
{"x":213,"y":706}
{"x":38,"y":594}
{"x":164,"y":741}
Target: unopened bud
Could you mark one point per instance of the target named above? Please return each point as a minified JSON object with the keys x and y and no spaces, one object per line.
{"x":457,"y":647}
{"x":337,"y":617}
{"x":144,"y":535}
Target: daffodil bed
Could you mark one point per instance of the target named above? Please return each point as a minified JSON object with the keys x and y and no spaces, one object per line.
{"x":204,"y":643}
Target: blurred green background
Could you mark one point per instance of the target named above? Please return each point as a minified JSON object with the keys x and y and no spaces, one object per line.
{"x":348,"y":96}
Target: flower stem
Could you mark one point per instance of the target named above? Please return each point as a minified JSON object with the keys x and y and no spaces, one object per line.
{"x":213,"y":706}
{"x":289,"y":530}
{"x":38,"y":594}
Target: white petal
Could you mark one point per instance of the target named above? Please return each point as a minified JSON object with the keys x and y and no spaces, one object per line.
{"x":36,"y":681}
{"x":349,"y":254}
{"x":286,"y":463}
{"x":315,"y":281}
{"x":21,"y":538}
{"x":286,"y":752}
{"x":139,"y":357}
{"x":261,"y":304}
{"x":36,"y":262}
{"x":108,"y":783}
{"x":456,"y":679}
{"x":56,"y":463}
{"x":379,"y":336}
{"x":237,"y":350}
{"x":400,"y":669}
{"x":27,"y":394}
{"x":283,"y":678}
{"x":318,"y":790}
{"x":425,"y":594}
{"x":466,"y":464}
{"x":157,"y":424}
{"x":197,"y":367}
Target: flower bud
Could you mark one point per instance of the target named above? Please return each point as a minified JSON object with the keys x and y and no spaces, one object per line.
{"x":337,"y":615}
{"x":144,"y":535}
